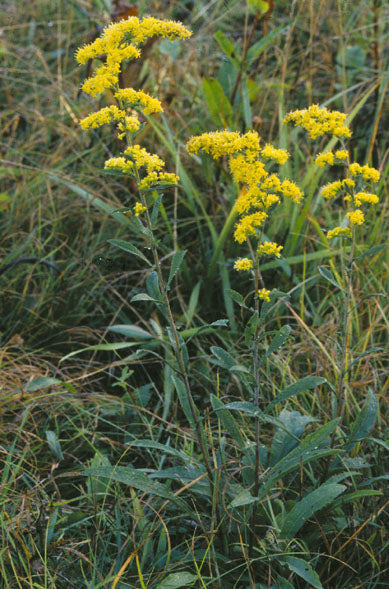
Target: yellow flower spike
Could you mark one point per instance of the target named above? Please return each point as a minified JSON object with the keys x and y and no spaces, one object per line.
{"x":270,"y":249}
{"x":324,"y":158}
{"x":318,"y":121}
{"x":332,"y":189}
{"x":339,"y":232}
{"x":243,"y":264}
{"x":119,"y":163}
{"x":143,"y":158}
{"x":139,"y":209}
{"x":247,"y":225}
{"x":101,"y":117}
{"x":134,"y":97}
{"x":106,"y":77}
{"x":356,"y":217}
{"x":131,"y":125}
{"x":219,"y":143}
{"x":264,"y":294}
{"x":291,"y":190}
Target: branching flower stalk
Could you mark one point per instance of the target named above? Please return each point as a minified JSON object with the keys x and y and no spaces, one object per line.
{"x":318,"y":122}
{"x":260,"y":191}
{"x":120,"y":41}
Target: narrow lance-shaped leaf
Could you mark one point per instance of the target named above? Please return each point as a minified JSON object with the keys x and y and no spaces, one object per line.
{"x":130,"y":248}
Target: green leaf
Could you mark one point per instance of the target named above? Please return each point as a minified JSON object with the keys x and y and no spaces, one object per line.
{"x":130,"y":248}
{"x":372,"y":251}
{"x":228,"y":421}
{"x":243,"y":498}
{"x":303,"y":569}
{"x":155,"y":211}
{"x":142,"y":296}
{"x":163,"y":448}
{"x":356,"y":496}
{"x":175,"y":265}
{"x":137,"y":479}
{"x":54,"y":444}
{"x":103,"y":347}
{"x":183,"y":399}
{"x":219,"y":106}
{"x":152,"y":286}
{"x":364,"y":422}
{"x":327,"y":274}
{"x":304,"y":384}
{"x":278,"y":340}
{"x":246,"y":103}
{"x":177,"y":580}
{"x":227,"y":47}
{"x":133,"y":331}
{"x":286,"y":437}
{"x":309,"y":505}
{"x":255,"y":50}
{"x":237,"y":297}
{"x":224,"y":358}
{"x":38,"y":383}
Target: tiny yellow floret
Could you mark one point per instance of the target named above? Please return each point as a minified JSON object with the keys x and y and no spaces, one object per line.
{"x":324,"y":158}
{"x":139,"y":209}
{"x":341,"y":154}
{"x":264,"y":294}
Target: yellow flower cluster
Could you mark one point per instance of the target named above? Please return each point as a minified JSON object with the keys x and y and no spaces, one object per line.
{"x":270,"y":152}
{"x":341,"y":154}
{"x":270,"y":249}
{"x":243,"y":264}
{"x":158,"y":178}
{"x":339,"y":232}
{"x":130,"y":124}
{"x":247,"y":225}
{"x":356,"y":217}
{"x":366,"y":172}
{"x":139,"y":209}
{"x":325,"y":158}
{"x":121,"y":164}
{"x":219,"y":143}
{"x":101,"y":117}
{"x":142,"y":158}
{"x":318,"y":121}
{"x":104,"y":78}
{"x":134,"y":97}
{"x":360,"y":197}
{"x":264,"y":294}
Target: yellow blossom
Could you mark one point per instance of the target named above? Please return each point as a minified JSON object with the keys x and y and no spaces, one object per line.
{"x":134,"y":97}
{"x":339,"y":232}
{"x":361,"y":197}
{"x":324,"y":158}
{"x":102,"y":116}
{"x":219,"y":143}
{"x":332,"y":189}
{"x":119,"y":163}
{"x":318,"y":121}
{"x":139,"y":209}
{"x":270,"y":152}
{"x":158,"y":177}
{"x":366,"y":172}
{"x":243,"y":264}
{"x":264,"y":294}
{"x":105,"y":77}
{"x":143,"y":158}
{"x":291,"y":190}
{"x":356,"y":217}
{"x":131,"y":124}
{"x":269,"y":249}
{"x":341,"y":154}
{"x":247,"y":225}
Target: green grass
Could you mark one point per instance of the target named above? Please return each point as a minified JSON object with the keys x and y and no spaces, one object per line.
{"x":76,"y":393}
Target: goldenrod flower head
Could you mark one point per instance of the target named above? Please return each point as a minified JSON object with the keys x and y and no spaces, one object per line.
{"x":130,"y":124}
{"x":102,"y":116}
{"x":367,"y":197}
{"x":139,"y":209}
{"x":341,"y":154}
{"x":135,"y":97}
{"x":291,"y":190}
{"x":324,"y":158}
{"x":366,"y":172}
{"x":264,"y":294}
{"x":119,"y":163}
{"x":268,"y":200}
{"x":318,"y":121}
{"x":247,"y":225}
{"x":339,"y":232}
{"x":158,"y":178}
{"x":356,"y":217}
{"x":270,"y":249}
{"x":243,"y":264}
{"x":270,"y":152}
{"x":143,"y":158}
{"x":332,"y":189}
{"x":271,"y":182}
{"x":219,"y":143}
{"x":245,"y":171}
{"x":348,"y":182}
{"x":105,"y":77}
